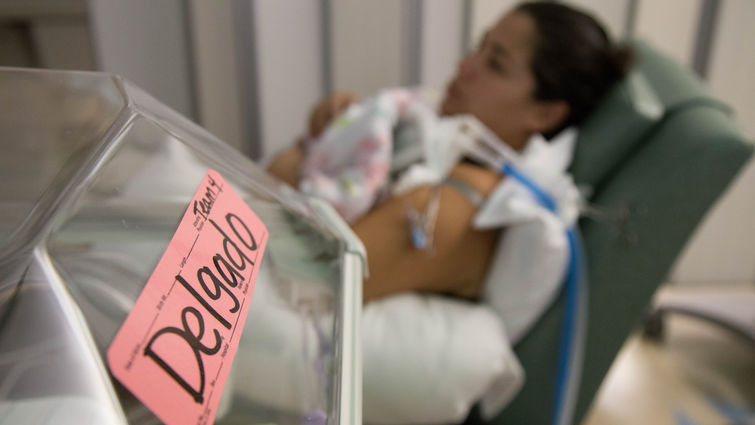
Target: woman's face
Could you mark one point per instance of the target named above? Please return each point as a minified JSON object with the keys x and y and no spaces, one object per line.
{"x":495,"y":83}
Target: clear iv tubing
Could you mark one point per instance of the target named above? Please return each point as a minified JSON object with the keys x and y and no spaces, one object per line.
{"x":479,"y":143}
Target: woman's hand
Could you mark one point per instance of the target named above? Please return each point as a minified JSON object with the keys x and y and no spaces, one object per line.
{"x":327,"y":109}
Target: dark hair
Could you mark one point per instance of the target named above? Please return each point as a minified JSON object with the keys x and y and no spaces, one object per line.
{"x":574,"y":60}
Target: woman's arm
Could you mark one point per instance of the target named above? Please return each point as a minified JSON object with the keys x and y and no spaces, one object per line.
{"x":460,"y":256}
{"x":286,"y":165}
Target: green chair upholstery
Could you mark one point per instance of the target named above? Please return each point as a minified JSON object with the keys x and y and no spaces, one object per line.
{"x":657,"y":154}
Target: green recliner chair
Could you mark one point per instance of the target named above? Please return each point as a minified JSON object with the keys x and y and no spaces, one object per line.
{"x":655,"y":156}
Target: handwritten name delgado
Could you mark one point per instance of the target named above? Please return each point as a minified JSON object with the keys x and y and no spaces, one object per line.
{"x":216,"y":285}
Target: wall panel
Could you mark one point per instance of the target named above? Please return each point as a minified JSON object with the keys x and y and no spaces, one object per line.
{"x":732,"y":60}
{"x":367,"y":45}
{"x":216,"y":64}
{"x":288,"y":49}
{"x":670,"y":25}
{"x":441,"y":41}
{"x":146,"y":42}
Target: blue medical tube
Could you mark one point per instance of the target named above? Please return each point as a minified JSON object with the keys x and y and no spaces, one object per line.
{"x":571,"y":343}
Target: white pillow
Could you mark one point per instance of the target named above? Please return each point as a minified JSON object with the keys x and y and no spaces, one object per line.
{"x":527,"y":272}
{"x":428,"y":359}
{"x":530,"y":260}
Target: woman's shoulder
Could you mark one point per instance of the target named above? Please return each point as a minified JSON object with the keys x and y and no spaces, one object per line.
{"x":481,"y":179}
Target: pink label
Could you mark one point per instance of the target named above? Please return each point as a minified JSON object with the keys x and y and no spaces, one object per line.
{"x":177,"y":344}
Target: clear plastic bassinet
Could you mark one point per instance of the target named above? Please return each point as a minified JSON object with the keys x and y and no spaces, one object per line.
{"x":96,"y":175}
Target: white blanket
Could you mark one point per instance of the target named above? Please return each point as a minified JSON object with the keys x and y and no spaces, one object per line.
{"x":426,"y":359}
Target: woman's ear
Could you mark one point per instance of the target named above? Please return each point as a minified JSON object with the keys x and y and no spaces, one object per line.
{"x":548,"y":115}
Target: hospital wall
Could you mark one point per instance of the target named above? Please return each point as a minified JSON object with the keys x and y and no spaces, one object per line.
{"x":249,"y":70}
{"x":259,"y":66}
{"x":148,"y":45}
{"x":364,"y":46}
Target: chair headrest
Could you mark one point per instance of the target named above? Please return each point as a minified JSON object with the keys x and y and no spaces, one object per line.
{"x":618,"y":124}
{"x":656,"y":87}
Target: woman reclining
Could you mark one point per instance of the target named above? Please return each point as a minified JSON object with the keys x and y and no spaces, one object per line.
{"x":540,"y":69}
